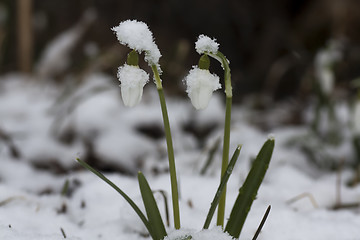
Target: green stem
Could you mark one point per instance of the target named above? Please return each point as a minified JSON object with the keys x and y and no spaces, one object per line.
{"x":172,"y":168}
{"x":225,"y":158}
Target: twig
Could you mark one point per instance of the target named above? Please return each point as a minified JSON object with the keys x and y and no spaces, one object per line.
{"x":303,"y":195}
{"x":63,"y":232}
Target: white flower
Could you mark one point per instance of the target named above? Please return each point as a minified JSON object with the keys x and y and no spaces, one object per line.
{"x":200,"y":86}
{"x":326,"y":80}
{"x":133,"y":80}
{"x":356,"y":118}
{"x":205,"y":44}
{"x":136,"y":35}
{"x":324,"y":60}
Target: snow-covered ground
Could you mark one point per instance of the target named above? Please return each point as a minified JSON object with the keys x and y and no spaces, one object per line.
{"x":44,"y":127}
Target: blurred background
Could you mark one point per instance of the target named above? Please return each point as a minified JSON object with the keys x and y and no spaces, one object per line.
{"x":58,"y":86}
{"x":271,"y":44}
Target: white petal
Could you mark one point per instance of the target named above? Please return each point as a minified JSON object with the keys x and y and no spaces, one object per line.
{"x":133,"y":80}
{"x":200,"y":97}
{"x":200,"y":86}
{"x":131,"y":95}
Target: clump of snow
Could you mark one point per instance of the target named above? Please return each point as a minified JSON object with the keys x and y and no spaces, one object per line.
{"x":271,"y":136}
{"x":200,"y":86}
{"x":215,"y":233}
{"x":133,"y":80}
{"x":206,"y":44}
{"x":136,"y":35}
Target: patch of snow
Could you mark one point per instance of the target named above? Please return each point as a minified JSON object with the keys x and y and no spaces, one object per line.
{"x":136,"y":35}
{"x":206,"y":44}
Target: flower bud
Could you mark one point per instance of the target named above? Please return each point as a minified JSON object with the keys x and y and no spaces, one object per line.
{"x":200,"y":86}
{"x":204,"y":62}
{"x":133,"y":58}
{"x":133,"y":80}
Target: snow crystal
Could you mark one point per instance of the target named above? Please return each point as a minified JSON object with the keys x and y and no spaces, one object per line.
{"x":271,"y":136}
{"x":132,"y":79}
{"x":136,"y":35}
{"x":206,"y":44}
{"x":200,"y":86}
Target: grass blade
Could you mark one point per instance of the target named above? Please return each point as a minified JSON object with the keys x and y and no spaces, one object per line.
{"x":152,"y":210}
{"x":221,"y":187}
{"x":262,"y":223}
{"x":249,"y":189}
{"x":126,"y":197}
{"x":210,"y":157}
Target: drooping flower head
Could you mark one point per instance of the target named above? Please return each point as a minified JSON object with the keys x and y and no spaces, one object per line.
{"x":133,"y":80}
{"x":324,"y":61}
{"x":200,"y":82}
{"x":200,"y":86}
{"x":136,"y":35}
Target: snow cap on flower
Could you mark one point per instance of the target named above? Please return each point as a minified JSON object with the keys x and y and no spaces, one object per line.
{"x":200,"y":86}
{"x":136,"y":35}
{"x":356,"y":118}
{"x":133,"y":80}
{"x":205,"y":44}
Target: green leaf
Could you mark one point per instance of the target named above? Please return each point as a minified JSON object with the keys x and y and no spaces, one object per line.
{"x":126,"y":197}
{"x":221,"y":187}
{"x":263,"y":220}
{"x":152,"y":210}
{"x":249,"y":189}
{"x":210,"y":157}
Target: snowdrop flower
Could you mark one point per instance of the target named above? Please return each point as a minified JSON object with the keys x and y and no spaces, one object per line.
{"x":133,"y":80}
{"x":323,"y":66}
{"x":200,"y":86}
{"x":356,"y":117}
{"x":136,"y":35}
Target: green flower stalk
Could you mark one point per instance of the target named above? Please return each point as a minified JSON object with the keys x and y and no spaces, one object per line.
{"x":172,"y":168}
{"x":203,"y":86}
{"x":137,"y":36}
